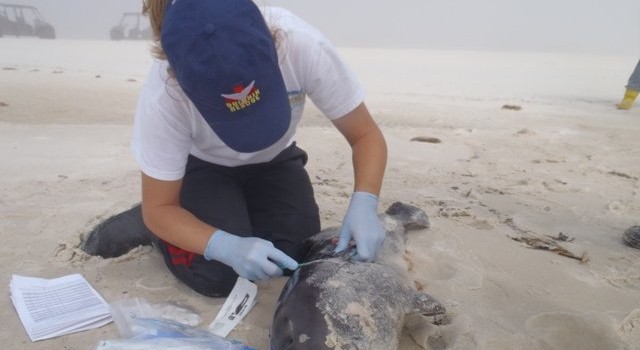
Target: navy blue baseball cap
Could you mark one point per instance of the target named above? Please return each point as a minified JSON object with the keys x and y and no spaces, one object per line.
{"x":226,"y":62}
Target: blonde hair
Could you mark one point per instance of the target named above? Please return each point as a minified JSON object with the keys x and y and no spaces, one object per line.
{"x":155,"y":10}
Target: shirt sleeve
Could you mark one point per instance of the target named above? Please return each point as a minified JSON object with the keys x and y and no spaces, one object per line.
{"x":326,"y":78}
{"x":161,"y":139}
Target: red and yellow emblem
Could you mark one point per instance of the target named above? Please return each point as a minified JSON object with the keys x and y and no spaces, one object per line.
{"x":242,"y":97}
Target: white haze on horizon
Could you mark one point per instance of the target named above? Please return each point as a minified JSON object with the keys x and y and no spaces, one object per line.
{"x":583,"y":26}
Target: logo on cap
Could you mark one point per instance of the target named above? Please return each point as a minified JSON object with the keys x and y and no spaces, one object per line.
{"x":242,"y":97}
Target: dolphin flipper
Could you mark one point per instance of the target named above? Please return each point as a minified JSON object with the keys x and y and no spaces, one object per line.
{"x":424,"y":304}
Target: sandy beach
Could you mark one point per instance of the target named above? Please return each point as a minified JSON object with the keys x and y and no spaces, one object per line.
{"x":558,"y":160}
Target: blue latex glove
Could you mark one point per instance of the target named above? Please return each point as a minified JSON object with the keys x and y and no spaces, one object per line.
{"x":251,"y":257}
{"x":362,"y":224}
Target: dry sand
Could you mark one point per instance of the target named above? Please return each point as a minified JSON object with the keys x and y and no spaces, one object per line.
{"x":567,"y":161}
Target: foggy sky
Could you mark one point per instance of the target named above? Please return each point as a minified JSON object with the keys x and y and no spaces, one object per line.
{"x":590,"y":26}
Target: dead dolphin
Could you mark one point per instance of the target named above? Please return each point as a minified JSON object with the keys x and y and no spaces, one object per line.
{"x":334,"y":302}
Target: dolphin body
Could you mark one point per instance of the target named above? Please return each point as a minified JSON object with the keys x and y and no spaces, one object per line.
{"x":335,"y":302}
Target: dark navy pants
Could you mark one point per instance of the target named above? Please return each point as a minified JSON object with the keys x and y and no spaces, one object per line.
{"x":273,"y":200}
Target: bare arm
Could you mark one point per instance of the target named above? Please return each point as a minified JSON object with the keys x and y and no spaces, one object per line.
{"x":164,"y":216}
{"x":368,"y":146}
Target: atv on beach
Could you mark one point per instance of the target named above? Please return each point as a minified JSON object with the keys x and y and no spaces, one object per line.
{"x":132,"y":26}
{"x":22,"y":20}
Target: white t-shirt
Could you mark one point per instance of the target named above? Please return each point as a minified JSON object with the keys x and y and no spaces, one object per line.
{"x":168,"y":127}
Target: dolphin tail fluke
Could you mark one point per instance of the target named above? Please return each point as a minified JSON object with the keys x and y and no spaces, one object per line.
{"x":411,"y":217}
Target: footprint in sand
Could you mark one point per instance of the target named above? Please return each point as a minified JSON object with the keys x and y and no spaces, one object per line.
{"x":619,"y":207}
{"x":153,"y":284}
{"x":560,"y":331}
{"x":436,"y":268}
{"x":444,"y":269}
{"x":451,"y":332}
{"x":629,"y":329}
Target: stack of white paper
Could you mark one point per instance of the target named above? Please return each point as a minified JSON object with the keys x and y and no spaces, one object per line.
{"x":50,"y":308}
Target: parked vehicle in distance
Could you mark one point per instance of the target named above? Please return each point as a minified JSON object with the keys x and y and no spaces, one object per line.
{"x":22,"y":20}
{"x":132,"y":26}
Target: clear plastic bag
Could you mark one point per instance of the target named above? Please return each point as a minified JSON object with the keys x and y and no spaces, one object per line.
{"x":162,"y":326}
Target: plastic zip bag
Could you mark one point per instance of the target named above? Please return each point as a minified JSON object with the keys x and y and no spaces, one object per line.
{"x":163,"y":326}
